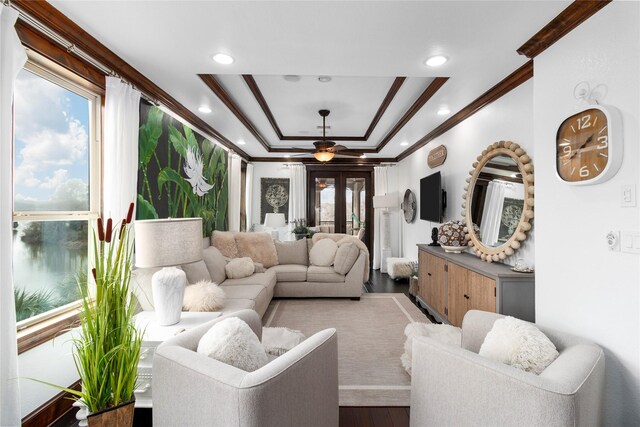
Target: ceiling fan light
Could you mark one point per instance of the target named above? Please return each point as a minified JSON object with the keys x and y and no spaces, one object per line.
{"x":323,"y":156}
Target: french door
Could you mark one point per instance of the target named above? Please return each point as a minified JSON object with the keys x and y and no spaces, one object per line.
{"x":341,"y":202}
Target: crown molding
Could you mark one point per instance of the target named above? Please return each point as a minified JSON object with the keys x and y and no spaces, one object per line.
{"x":506,"y":85}
{"x":575,"y":14}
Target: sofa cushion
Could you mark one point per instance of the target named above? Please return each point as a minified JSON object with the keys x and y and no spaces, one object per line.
{"x":266,"y":280}
{"x":203,"y":296}
{"x":323,"y":252}
{"x":519,"y":344}
{"x":290,"y":272}
{"x":238,"y":268}
{"x":232,"y":341}
{"x":237,"y":304}
{"x":257,"y":246}
{"x":294,"y":252}
{"x":215,"y":263}
{"x":196,"y":271}
{"x":346,"y":256}
{"x":323,"y":274}
{"x":225,"y":241}
{"x":260,"y":295}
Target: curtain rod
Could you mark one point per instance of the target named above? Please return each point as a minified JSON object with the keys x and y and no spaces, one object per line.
{"x":72,"y":48}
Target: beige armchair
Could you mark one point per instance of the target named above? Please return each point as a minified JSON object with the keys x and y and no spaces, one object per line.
{"x":453,"y":386}
{"x":299,"y":388}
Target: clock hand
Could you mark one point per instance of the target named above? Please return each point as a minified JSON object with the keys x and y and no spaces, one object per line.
{"x":588,"y":140}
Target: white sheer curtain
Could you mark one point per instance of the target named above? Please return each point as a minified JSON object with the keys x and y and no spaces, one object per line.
{"x":248,"y":195}
{"x":493,"y":205}
{"x":235,"y":175}
{"x":121,"y":123}
{"x":12,"y":58}
{"x":380,"y":181}
{"x":297,"y":192}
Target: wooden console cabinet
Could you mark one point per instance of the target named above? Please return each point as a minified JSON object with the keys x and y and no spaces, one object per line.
{"x":449,"y":285}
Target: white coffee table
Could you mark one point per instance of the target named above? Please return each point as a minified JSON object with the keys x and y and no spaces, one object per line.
{"x":153,"y":336}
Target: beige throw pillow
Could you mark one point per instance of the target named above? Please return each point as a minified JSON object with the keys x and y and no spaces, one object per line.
{"x":294,"y":252}
{"x":323,"y":253}
{"x":203,"y":296}
{"x":225,"y":241}
{"x":196,"y":271}
{"x":215,"y":263}
{"x":346,"y":256}
{"x":239,"y":268}
{"x":257,"y":246}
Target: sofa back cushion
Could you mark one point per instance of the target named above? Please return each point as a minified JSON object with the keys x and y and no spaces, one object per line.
{"x":215,"y":263}
{"x":294,"y":252}
{"x":323,"y":252}
{"x":257,"y":246}
{"x":196,"y":271}
{"x":346,"y":256}
{"x":225,"y":241}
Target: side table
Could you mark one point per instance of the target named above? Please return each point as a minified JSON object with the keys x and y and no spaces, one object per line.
{"x":153,"y":336}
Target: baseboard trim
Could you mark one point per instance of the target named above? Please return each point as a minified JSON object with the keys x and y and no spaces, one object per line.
{"x":52,"y":410}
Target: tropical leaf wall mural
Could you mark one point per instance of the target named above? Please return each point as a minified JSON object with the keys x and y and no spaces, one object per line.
{"x":181,"y":174}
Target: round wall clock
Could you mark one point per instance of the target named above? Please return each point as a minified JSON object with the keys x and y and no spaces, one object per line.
{"x":589,"y":146}
{"x":409,"y":206}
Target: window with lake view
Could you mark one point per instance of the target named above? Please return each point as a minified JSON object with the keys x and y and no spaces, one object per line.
{"x":54,"y":189}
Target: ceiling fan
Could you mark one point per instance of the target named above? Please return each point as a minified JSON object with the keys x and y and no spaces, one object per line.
{"x":326,"y":149}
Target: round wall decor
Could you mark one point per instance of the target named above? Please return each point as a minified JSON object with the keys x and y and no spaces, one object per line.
{"x":409,"y":206}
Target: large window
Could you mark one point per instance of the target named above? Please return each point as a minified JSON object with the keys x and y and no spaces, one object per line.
{"x":56,"y":190}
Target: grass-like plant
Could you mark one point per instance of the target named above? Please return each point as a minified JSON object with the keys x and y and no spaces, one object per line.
{"x":107,"y":348}
{"x":29,"y":304}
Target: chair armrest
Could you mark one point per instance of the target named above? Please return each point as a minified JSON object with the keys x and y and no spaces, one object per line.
{"x":476,"y":325}
{"x":473,"y":390}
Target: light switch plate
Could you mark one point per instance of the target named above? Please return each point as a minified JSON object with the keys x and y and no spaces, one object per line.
{"x":628,"y":195}
{"x":630,"y":241}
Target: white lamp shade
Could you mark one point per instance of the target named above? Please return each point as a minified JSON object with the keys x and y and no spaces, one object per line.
{"x":386,"y":201}
{"x":165,"y":242}
{"x":274,"y":220}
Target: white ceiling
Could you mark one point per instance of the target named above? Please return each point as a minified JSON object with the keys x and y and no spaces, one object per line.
{"x":363,"y":45}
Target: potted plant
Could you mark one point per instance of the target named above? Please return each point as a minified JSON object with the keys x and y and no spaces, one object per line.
{"x":300,"y":229}
{"x":106,"y":349}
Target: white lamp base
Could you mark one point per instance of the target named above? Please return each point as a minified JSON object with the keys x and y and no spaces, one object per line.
{"x":168,"y":286}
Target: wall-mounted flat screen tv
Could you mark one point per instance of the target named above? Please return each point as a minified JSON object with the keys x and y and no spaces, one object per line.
{"x":433,"y":199}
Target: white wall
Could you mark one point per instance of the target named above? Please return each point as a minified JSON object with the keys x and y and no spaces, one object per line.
{"x":581,"y":286}
{"x":509,"y":118}
{"x":51,"y":362}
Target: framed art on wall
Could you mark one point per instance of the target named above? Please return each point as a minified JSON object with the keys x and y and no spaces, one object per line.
{"x":274,"y":197}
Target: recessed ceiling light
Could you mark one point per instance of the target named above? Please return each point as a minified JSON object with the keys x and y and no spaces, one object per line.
{"x":436,"y":61}
{"x":404,"y":144}
{"x":324,"y":79}
{"x":287,"y":155}
{"x":292,"y":78}
{"x":223,"y":58}
{"x":443,"y":111}
{"x":241,"y":142}
{"x":204,"y":109}
{"x":364,"y":156}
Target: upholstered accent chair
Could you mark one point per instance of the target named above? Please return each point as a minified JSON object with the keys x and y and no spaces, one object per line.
{"x":454,"y":386}
{"x":299,"y":388}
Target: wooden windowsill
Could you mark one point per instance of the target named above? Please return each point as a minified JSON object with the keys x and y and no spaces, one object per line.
{"x":43,"y":331}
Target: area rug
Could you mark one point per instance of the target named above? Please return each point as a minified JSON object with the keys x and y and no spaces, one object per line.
{"x":370,"y":342}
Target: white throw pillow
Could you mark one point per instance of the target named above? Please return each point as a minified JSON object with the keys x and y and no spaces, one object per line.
{"x":203,"y":296}
{"x":232,"y":341}
{"x":323,"y":253}
{"x":519,"y":344}
{"x":238,"y":268}
{"x":444,"y":333}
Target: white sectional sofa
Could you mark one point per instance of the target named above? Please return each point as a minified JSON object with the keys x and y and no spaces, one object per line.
{"x":291,"y":276}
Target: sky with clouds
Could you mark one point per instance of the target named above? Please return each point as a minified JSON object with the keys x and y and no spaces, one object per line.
{"x":51,"y":153}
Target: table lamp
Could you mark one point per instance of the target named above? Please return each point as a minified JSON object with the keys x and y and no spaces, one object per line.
{"x":274,"y":221}
{"x":385,"y":202}
{"x":168,"y":243}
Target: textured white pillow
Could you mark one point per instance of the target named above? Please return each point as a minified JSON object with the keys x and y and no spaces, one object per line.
{"x":238,"y":268}
{"x":323,"y":253}
{"x":203,"y":296}
{"x":446,"y":334}
{"x":232,"y":341}
{"x":519,"y":344}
